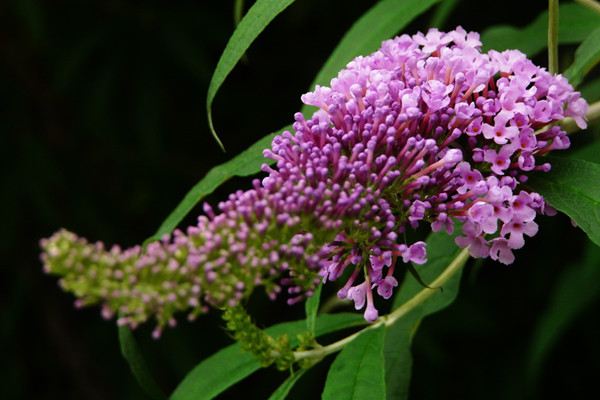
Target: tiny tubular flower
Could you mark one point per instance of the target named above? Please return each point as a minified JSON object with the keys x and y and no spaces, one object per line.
{"x":426,"y":130}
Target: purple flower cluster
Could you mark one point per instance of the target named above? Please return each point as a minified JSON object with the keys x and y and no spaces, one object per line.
{"x":428,"y":129}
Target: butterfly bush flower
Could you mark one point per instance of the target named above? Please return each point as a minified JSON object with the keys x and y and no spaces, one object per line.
{"x":428,"y":130}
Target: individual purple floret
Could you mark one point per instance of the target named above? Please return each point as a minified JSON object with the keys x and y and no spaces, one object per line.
{"x":426,"y":130}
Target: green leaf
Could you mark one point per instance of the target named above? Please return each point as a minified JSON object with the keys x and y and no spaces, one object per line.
{"x":415,"y":274}
{"x":442,"y":12}
{"x":380,"y":22}
{"x":246,"y":163}
{"x":590,"y":152}
{"x":283,"y":390}
{"x":254,"y":22}
{"x":574,"y":25}
{"x":591,"y":90}
{"x":572,"y":186}
{"x":312,"y":307}
{"x":230,"y":365}
{"x":576,"y":290}
{"x":441,"y":250}
{"x":586,"y":57}
{"x":238,"y":11}
{"x":131,"y":352}
{"x":358,"y":371}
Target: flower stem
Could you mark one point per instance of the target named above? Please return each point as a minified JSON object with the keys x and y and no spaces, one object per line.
{"x":391,"y":318}
{"x":553,"y":36}
{"x":591,"y":4}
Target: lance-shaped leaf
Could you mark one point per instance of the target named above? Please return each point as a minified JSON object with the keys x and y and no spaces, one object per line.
{"x":591,"y":90}
{"x":231,"y":364}
{"x":573,"y":187}
{"x":358,"y":371}
{"x":312,"y":307}
{"x":245,"y":164}
{"x":284,"y":389}
{"x":586,"y":57}
{"x":253,"y":23}
{"x":133,"y":355}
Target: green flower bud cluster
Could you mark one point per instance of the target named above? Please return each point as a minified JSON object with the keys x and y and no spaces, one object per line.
{"x":184,"y":272}
{"x":120,"y":282}
{"x":267,"y":349}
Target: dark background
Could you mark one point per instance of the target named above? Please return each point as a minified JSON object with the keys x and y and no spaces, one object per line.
{"x":103,"y":130}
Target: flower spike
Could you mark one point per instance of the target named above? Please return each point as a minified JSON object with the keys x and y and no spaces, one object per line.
{"x":426,"y":130}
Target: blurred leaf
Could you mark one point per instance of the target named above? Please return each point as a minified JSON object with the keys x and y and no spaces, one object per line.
{"x":238,"y":11}
{"x":246,"y":163}
{"x":591,"y":91}
{"x":380,"y":22}
{"x":283,"y":390}
{"x":590,"y":152}
{"x":441,"y":251}
{"x":254,"y":22}
{"x":230,"y":365}
{"x":132,"y":353}
{"x":587,"y":56}
{"x":415,"y":274}
{"x":312,"y":307}
{"x":358,"y":371}
{"x":576,"y":289}
{"x":572,"y":186}
{"x":442,"y":12}
{"x":575,"y":24}
{"x":31,"y":14}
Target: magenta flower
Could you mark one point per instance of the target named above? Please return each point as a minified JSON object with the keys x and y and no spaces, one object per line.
{"x":501,"y":251}
{"x":499,"y":132}
{"x":415,"y":253}
{"x":500,"y":160}
{"x":426,"y":130}
{"x":358,"y":294}
{"x":382,"y":259}
{"x":385,"y":287}
{"x":515,"y":230}
{"x":473,"y":240}
{"x":434,"y":40}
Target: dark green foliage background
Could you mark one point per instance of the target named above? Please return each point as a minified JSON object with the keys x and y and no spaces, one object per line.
{"x":103,"y":130}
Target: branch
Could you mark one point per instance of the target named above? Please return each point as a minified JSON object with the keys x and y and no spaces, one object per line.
{"x":553,"y":36}
{"x":391,"y":318}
